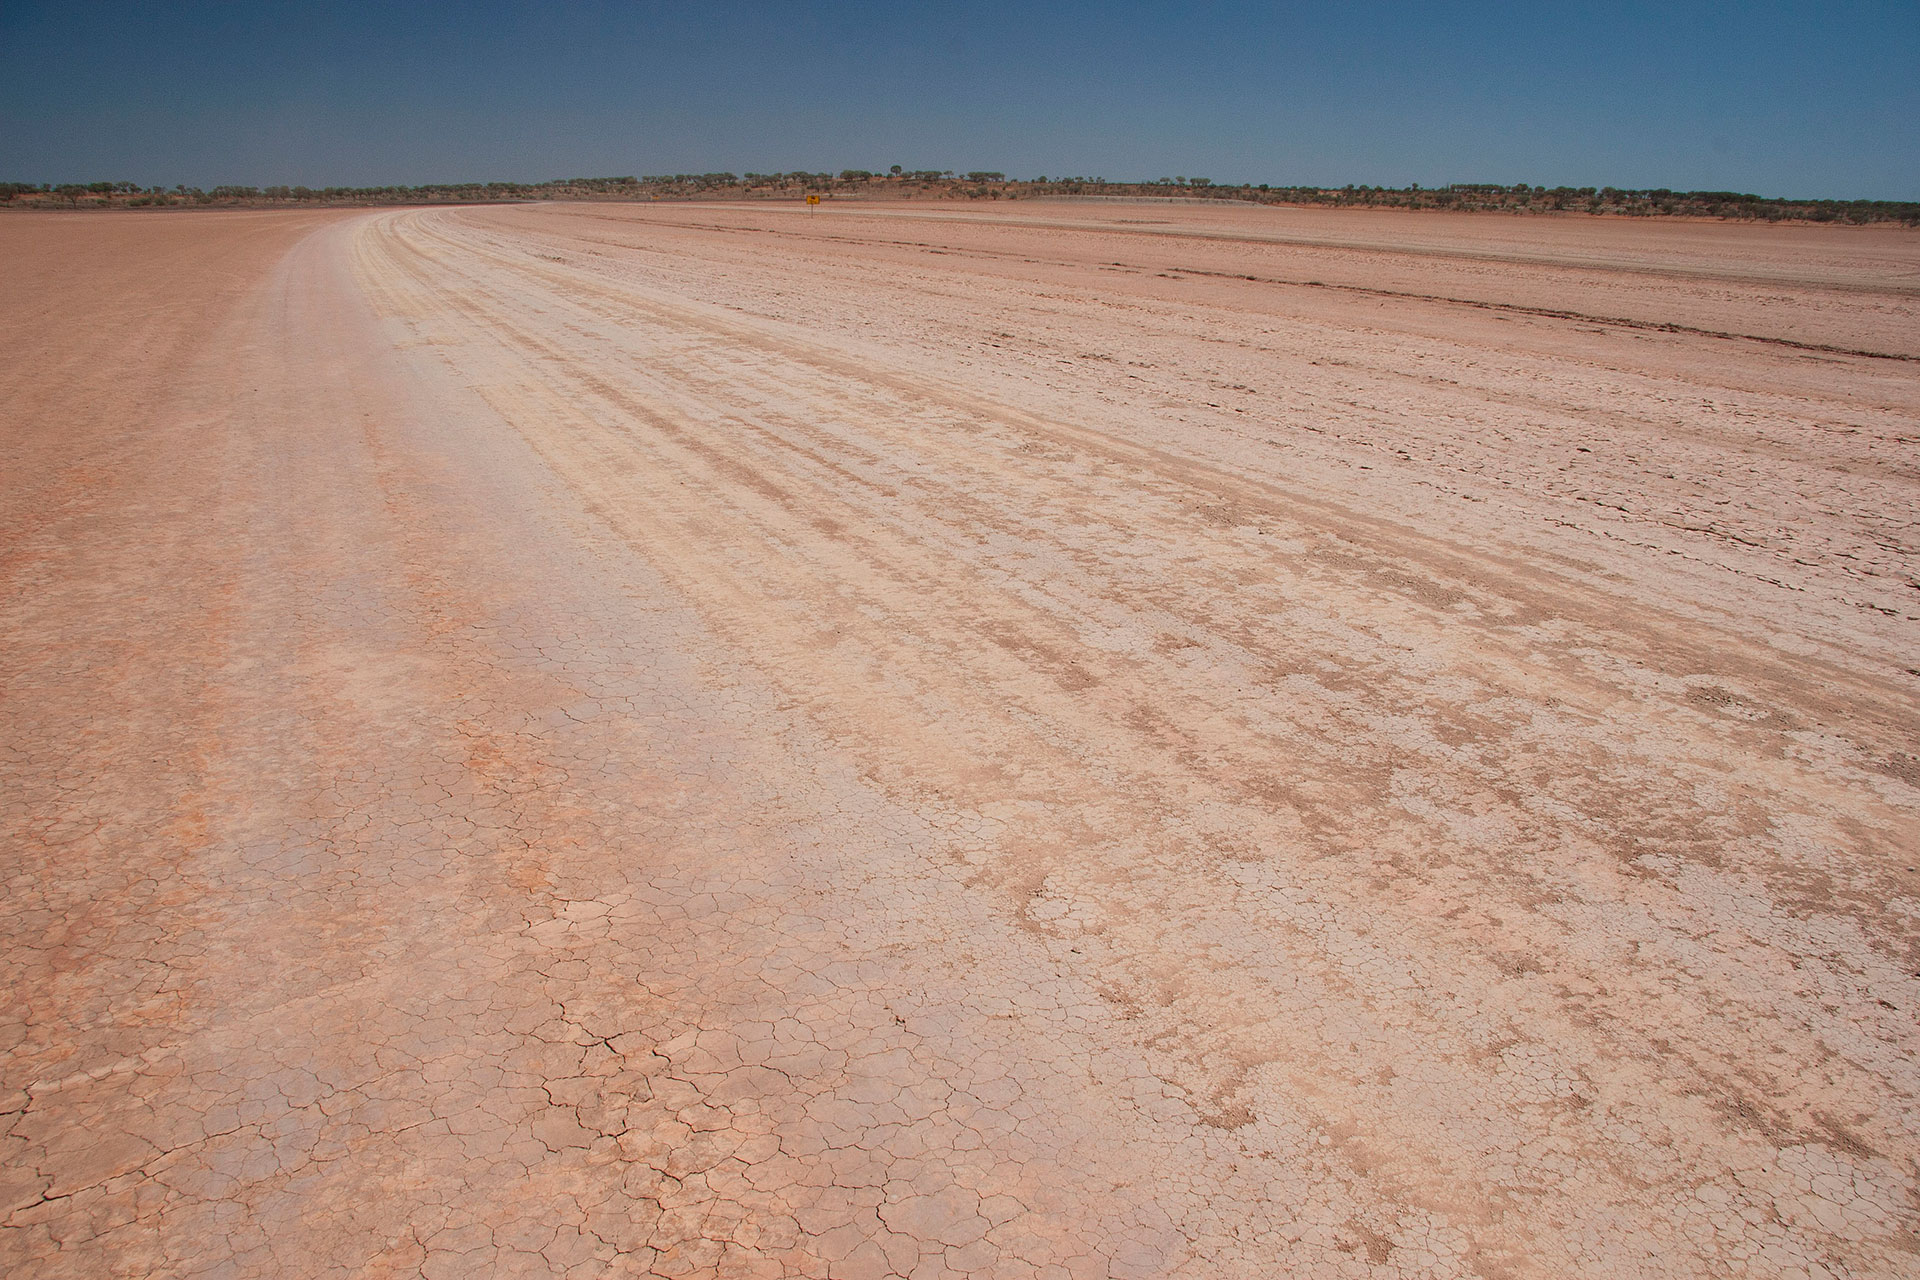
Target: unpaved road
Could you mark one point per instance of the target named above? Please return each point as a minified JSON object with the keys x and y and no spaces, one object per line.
{"x":1073,"y":741}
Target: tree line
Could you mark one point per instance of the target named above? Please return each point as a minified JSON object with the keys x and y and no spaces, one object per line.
{"x":980,"y":184}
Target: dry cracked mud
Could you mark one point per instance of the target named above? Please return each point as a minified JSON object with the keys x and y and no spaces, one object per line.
{"x":1071,"y":741}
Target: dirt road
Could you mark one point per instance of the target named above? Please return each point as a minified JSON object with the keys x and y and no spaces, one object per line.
{"x":1113,"y":741}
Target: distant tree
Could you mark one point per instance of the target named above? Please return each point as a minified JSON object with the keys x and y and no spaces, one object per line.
{"x":895,"y":171}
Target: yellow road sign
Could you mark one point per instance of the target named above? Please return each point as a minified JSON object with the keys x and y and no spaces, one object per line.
{"x":812,"y":200}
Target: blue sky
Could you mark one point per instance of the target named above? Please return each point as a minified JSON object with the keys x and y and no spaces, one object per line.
{"x":1780,"y":99}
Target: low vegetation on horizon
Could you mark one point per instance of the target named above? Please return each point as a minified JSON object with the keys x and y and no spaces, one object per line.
{"x":982,"y":185}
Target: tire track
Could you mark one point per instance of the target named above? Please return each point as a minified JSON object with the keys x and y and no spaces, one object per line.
{"x":942,"y":583}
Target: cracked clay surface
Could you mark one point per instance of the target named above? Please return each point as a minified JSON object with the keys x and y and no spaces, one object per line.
{"x":1072,"y":742}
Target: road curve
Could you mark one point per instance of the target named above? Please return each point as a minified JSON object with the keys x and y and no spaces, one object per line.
{"x":625,"y":741}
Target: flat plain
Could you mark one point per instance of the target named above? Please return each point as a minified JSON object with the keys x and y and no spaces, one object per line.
{"x":1069,"y":740}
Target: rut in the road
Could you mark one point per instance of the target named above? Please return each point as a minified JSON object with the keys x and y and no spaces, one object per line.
{"x":1345,"y":821}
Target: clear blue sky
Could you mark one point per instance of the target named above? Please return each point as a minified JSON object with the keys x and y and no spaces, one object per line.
{"x":1778,"y":98}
